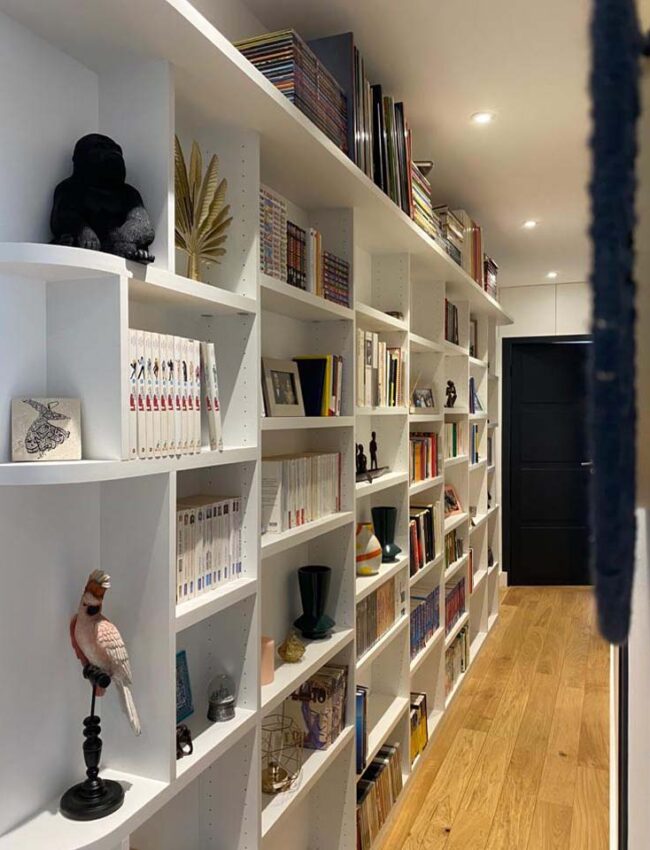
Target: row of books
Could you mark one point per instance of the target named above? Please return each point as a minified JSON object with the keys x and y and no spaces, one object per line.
{"x":380,"y":372}
{"x":421,"y":208}
{"x":473,"y":337}
{"x":299,"y":488}
{"x":321,"y":384}
{"x":425,"y":619}
{"x":273,"y":235}
{"x":335,"y":279}
{"x":490,"y":455}
{"x":289,"y":63}
{"x":452,"y":234}
{"x":453,"y":439}
{"x":456,"y":659}
{"x":377,"y":612}
{"x":318,"y":706}
{"x":470,"y":564}
{"x":475,"y":405}
{"x":170,"y":379}
{"x":453,"y":547}
{"x":361,"y":727}
{"x":491,"y":271}
{"x":424,"y":462}
{"x":425,"y":530}
{"x":296,"y":256}
{"x":454,"y":603}
{"x":472,"y":249}
{"x":377,"y":792}
{"x":208,"y":544}
{"x":451,"y":323}
{"x":419,"y":721}
{"x":391,"y":160}
{"x":473,"y":443}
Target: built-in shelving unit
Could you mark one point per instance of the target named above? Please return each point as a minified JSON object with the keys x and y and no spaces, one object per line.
{"x":67,"y":313}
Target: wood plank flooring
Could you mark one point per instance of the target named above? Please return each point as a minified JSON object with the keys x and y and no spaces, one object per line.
{"x":521,"y":760}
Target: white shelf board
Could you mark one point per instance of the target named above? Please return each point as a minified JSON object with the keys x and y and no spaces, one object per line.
{"x":85,"y":471}
{"x":389,"y":479}
{"x":154,"y":285}
{"x":427,"y":484}
{"x":492,"y":620}
{"x":371,"y":319}
{"x":423,"y":654}
{"x":478,"y":416}
{"x":423,"y":345}
{"x":453,"y":461}
{"x":280,"y":542}
{"x":454,"y":521}
{"x":478,"y":580}
{"x":280,"y":297}
{"x":373,"y":652}
{"x":211,"y":742}
{"x":384,"y":713}
{"x":492,"y":377}
{"x":478,"y":465}
{"x":418,"y":416}
{"x":462,"y":621}
{"x":426,"y":570}
{"x":451,"y":412}
{"x":289,"y":676}
{"x":207,"y":604}
{"x":450,"y":348}
{"x":455,"y":567}
{"x":61,"y":262}
{"x":479,"y":520}
{"x":493,"y":510}
{"x":492,"y":467}
{"x":303,"y":423}
{"x":495,"y":566}
{"x":493,"y":425}
{"x":381,"y":411}
{"x":315,"y":763}
{"x":475,"y":361}
{"x":364,"y":585}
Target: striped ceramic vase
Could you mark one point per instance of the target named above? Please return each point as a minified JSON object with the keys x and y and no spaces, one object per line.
{"x":368,"y":550}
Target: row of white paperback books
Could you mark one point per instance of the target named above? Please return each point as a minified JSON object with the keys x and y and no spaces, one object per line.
{"x":297,"y":489}
{"x":208,"y":544}
{"x":170,"y":380}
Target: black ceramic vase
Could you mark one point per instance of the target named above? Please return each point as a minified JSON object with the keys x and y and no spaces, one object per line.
{"x":314,"y":582}
{"x":384,"y":520}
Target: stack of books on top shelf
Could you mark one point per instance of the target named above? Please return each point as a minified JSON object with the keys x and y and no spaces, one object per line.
{"x":475,"y":405}
{"x":318,"y":706}
{"x":170,"y":379}
{"x":452,"y":233}
{"x":454,"y":444}
{"x":377,"y":792}
{"x":425,"y":532}
{"x":425,"y":619}
{"x":456,"y":659}
{"x":419,"y":725}
{"x":454,"y":603}
{"x":491,"y":270}
{"x":423,"y":456}
{"x":472,"y":250}
{"x":473,"y":443}
{"x":380,"y":372}
{"x":377,"y":612}
{"x":208,"y":544}
{"x":299,"y":488}
{"x":453,"y":548}
{"x":421,"y":209}
{"x":451,"y":322}
{"x":285,"y":60}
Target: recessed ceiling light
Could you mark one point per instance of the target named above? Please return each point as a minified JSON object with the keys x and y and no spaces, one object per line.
{"x":531,"y":224}
{"x":483,"y":117}
{"x":551,"y":275}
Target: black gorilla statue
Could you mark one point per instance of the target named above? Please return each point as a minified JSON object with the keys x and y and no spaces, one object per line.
{"x":96,"y":208}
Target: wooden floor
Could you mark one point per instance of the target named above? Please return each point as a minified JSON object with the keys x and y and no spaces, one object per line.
{"x":521,"y":760}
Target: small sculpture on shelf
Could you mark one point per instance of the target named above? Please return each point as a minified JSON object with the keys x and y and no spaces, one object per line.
{"x":451,"y":394}
{"x":184,"y":745}
{"x":373,"y":452}
{"x":363,"y":473}
{"x":293,"y":649}
{"x":368,"y":550}
{"x":314,"y":583}
{"x":96,"y":208}
{"x":221,"y":698}
{"x":362,"y":462}
{"x":385,"y":521}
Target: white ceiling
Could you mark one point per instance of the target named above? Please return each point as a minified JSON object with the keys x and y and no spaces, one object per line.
{"x":446,"y":59}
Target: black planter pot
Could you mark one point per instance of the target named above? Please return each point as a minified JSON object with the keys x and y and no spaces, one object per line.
{"x":314,"y":582}
{"x":384,"y":519}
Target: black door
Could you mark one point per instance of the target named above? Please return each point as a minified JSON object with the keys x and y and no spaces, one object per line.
{"x":546,"y":461}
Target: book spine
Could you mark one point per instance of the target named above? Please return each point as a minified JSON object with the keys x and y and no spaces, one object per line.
{"x":133,"y":393}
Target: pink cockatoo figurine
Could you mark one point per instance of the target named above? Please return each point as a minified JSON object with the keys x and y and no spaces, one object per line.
{"x":96,"y":641}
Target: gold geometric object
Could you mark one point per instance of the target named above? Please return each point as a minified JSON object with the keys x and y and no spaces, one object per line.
{"x":293,"y":649}
{"x":201,"y":217}
{"x":282,"y":753}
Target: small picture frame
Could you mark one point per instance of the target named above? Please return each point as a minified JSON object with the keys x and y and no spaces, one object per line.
{"x":184,"y":705}
{"x":423,"y":398}
{"x":44,"y":429}
{"x":282,"y":390}
{"x":452,"y":502}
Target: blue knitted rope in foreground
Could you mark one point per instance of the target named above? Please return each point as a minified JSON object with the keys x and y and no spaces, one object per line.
{"x":616,"y":51}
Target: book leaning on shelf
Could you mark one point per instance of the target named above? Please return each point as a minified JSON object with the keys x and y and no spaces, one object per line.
{"x":454,"y":548}
{"x":318,"y":706}
{"x":208,"y":544}
{"x":425,"y":619}
{"x":425,"y":532}
{"x":299,"y":488}
{"x":377,"y":612}
{"x":381,"y":371}
{"x":377,"y":792}
{"x":456,"y":659}
{"x":321,"y":382}
{"x":453,"y":436}
{"x":170,"y":380}
{"x":423,"y":456}
{"x":454,"y":603}
{"x":419,"y":724}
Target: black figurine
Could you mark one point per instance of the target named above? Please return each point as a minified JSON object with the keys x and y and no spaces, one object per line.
{"x":362,"y":460}
{"x":96,"y":208}
{"x":452,"y":395}
{"x":373,"y":451}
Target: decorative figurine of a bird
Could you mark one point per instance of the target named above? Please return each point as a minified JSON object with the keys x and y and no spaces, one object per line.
{"x":97,"y":641}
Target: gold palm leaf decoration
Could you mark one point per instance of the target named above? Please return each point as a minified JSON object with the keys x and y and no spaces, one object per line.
{"x":202,"y":220}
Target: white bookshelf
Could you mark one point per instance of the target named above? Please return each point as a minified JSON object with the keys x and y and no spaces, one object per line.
{"x":66,"y":308}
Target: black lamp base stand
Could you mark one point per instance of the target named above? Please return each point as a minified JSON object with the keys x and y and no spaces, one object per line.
{"x":94,"y":797}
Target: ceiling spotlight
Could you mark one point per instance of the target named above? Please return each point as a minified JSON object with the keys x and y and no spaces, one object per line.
{"x":551,"y":275}
{"x":483,"y":117}
{"x":531,"y":224}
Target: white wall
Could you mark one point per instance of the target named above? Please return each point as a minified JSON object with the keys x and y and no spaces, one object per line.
{"x":231,"y":17}
{"x":547,"y":310}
